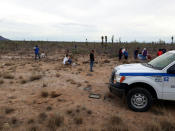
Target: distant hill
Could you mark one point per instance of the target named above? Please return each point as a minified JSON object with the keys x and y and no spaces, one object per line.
{"x":2,"y":38}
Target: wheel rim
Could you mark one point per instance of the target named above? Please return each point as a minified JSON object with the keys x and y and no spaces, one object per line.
{"x":139,"y":100}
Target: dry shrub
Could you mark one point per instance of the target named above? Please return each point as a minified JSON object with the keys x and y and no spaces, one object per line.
{"x":35,"y":77}
{"x":58,"y":75}
{"x":42,"y":117}
{"x":157,"y":111}
{"x":9,"y":110}
{"x":71,"y":81}
{"x":1,"y":82}
{"x":116,"y":124}
{"x":8,"y":76}
{"x":116,"y":120}
{"x":89,"y":112}
{"x":31,"y":121}
{"x":80,"y":69}
{"x":49,"y":108}
{"x":54,"y":94}
{"x":55,"y":121}
{"x":20,"y":77}
{"x":23,"y":81}
{"x":69,"y":112}
{"x":8,"y":64}
{"x":167,"y":124}
{"x":106,"y":61}
{"x":153,"y":126}
{"x":14,"y":121}
{"x":44,"y":94}
{"x":34,"y":128}
{"x":78,"y":120}
{"x":44,"y":85}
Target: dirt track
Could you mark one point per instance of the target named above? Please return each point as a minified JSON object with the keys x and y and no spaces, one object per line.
{"x":26,"y":82}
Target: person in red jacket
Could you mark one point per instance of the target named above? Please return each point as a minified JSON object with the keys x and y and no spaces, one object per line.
{"x":160,"y":52}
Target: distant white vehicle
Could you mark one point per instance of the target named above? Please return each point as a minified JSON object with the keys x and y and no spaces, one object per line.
{"x":142,"y":83}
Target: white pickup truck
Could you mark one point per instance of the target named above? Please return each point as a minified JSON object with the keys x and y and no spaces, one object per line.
{"x":144,"y":82}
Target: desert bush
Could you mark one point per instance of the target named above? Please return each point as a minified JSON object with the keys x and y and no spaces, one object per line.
{"x":31,"y":121}
{"x":1,"y":82}
{"x":33,"y":128}
{"x":35,"y":77}
{"x":9,"y":110}
{"x":58,"y":75}
{"x":54,"y":94}
{"x":23,"y":81}
{"x":153,"y":127}
{"x":106,"y":61}
{"x":116,"y":120}
{"x":44,"y":94}
{"x":8,"y":76}
{"x":78,"y":120}
{"x":49,"y":108}
{"x":69,"y":112}
{"x":42,"y":117}
{"x":167,"y":125}
{"x":55,"y":121}
{"x":44,"y":85}
{"x":89,"y":112}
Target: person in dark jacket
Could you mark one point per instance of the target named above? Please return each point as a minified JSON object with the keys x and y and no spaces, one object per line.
{"x":120,"y":54}
{"x":136,"y":52}
{"x":91,"y":60}
{"x":36,"y":50}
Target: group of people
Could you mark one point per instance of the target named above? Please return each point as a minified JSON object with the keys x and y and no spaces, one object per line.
{"x":143,"y":55}
{"x":137,"y":54}
{"x":161,"y":51}
{"x":123,"y":52}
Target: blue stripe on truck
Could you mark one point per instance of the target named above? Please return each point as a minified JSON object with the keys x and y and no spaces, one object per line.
{"x":146,"y":74}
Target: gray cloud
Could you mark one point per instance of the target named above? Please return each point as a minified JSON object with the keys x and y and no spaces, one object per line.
{"x":144,"y":20}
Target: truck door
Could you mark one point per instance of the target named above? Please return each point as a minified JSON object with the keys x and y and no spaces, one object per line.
{"x":169,"y":84}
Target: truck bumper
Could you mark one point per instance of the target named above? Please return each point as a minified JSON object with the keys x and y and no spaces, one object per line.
{"x":118,"y":88}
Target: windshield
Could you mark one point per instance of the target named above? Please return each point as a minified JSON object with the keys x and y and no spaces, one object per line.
{"x":162,"y":61}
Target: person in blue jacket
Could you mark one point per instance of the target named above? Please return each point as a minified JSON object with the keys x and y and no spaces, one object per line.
{"x":36,"y":49}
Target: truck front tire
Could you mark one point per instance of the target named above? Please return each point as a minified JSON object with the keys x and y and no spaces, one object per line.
{"x":139,"y":99}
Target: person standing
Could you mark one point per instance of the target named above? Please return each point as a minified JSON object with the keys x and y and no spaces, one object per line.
{"x":91,"y":60}
{"x":136,"y":52}
{"x":36,"y":49}
{"x":126,"y":54}
{"x":120,"y":54}
{"x":160,"y":52}
{"x":144,"y":53}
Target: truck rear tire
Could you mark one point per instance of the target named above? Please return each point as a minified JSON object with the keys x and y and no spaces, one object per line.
{"x":139,"y":99}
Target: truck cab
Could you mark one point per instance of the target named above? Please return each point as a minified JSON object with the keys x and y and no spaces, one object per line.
{"x":142,"y":83}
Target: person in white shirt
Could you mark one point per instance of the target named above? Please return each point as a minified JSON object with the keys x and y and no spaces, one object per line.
{"x":65,"y":60}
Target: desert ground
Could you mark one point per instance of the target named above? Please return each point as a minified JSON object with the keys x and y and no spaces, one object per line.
{"x":45,"y":95}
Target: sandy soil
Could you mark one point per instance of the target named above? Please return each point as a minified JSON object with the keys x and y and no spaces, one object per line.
{"x":24,"y":104}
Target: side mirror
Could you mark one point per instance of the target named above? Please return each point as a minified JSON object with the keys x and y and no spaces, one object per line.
{"x":171,"y":70}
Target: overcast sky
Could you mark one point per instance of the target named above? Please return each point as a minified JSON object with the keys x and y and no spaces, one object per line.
{"x":76,"y":20}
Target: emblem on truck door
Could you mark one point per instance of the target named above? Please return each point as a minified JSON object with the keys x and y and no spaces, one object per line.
{"x":166,"y":79}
